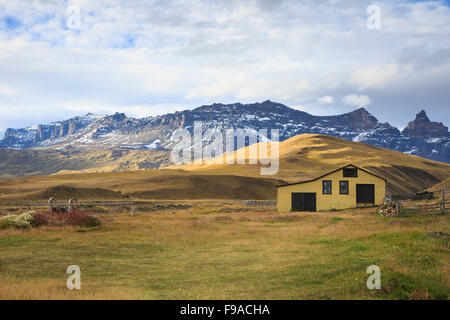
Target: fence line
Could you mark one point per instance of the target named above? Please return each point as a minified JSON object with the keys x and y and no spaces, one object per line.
{"x":396,"y":205}
{"x":420,"y":196}
{"x":260,"y":203}
{"x":73,"y":203}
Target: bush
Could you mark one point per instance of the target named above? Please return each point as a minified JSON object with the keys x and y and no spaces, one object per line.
{"x":21,"y":221}
{"x":32,"y":219}
{"x":74,"y":218}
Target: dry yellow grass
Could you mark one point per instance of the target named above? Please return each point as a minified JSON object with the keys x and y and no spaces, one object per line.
{"x":36,"y":289}
{"x":307,"y":156}
{"x":442,"y":185}
{"x":142,"y":184}
{"x":223,"y":250}
{"x":301,"y":157}
{"x":16,"y":163}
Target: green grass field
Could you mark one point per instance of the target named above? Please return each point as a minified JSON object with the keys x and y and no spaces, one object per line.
{"x":220,"y":250}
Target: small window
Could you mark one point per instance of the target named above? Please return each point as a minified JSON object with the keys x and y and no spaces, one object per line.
{"x":343,"y":187}
{"x":326,"y":187}
{"x":350,"y":173}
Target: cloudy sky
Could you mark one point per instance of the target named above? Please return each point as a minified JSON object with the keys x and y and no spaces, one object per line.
{"x":151,"y":57}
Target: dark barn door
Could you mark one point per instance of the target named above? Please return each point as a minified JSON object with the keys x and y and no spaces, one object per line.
{"x":303,"y":202}
{"x":365,"y":194}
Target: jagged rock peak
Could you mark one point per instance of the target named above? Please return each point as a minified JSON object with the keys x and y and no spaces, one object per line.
{"x":362,"y":119}
{"x":423,"y":127}
{"x":119,"y":116}
{"x":362,"y":112}
{"x":422,"y":116}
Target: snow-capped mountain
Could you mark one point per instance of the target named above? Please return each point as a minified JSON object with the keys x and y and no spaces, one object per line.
{"x":421,"y":137}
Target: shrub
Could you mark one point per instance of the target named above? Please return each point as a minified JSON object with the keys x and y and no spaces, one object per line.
{"x":74,"y":218}
{"x":21,"y":221}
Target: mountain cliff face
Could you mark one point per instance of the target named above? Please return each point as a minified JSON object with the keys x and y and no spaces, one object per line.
{"x":421,"y":137}
{"x":422,"y":127}
{"x":41,"y":135}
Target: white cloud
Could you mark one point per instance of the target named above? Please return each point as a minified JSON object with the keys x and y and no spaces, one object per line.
{"x":374,"y":76}
{"x":356,"y":100}
{"x":325,"y":99}
{"x":155,"y":56}
{"x":139,"y":111}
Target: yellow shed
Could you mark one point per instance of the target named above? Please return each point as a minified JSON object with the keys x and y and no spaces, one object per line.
{"x":343,"y":188}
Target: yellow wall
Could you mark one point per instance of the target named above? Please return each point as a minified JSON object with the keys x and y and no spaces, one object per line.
{"x":334,"y":200}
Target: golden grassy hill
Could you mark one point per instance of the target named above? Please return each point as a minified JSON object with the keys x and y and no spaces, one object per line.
{"x":441,"y":185}
{"x":308,"y":156}
{"x":14,"y":163}
{"x":301,"y":157}
{"x":137,"y":185}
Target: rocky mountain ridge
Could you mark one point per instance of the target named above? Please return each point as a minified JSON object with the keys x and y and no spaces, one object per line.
{"x":420,"y":137}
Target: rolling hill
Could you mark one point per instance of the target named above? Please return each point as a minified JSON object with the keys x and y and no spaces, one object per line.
{"x":441,"y":185}
{"x":19,"y":163}
{"x":302,"y":157}
{"x":307,"y":156}
{"x":136,"y":185}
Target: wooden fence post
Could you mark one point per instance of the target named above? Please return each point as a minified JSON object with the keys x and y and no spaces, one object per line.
{"x":132,"y":210}
{"x":443,"y":202}
{"x":51,"y":204}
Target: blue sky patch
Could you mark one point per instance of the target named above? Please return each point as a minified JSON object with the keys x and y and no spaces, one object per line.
{"x":11,"y":23}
